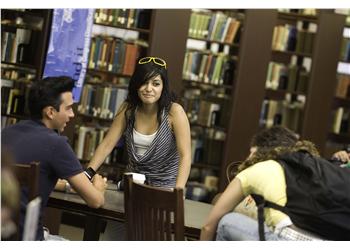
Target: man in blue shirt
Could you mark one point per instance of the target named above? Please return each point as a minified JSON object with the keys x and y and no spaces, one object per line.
{"x":50,"y":103}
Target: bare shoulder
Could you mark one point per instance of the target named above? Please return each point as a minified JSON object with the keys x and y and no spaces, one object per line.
{"x":177,"y":115}
{"x":176,"y":110}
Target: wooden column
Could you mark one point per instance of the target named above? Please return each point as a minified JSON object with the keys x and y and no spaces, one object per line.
{"x":169,"y":30}
{"x":249,"y":85}
{"x":322,"y":84}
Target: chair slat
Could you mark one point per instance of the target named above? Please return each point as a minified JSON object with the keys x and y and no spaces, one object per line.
{"x":153,"y":213}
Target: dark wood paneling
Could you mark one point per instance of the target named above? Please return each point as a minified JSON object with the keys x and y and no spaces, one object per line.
{"x":322,"y":82}
{"x":169,"y":30}
{"x":249,"y":86}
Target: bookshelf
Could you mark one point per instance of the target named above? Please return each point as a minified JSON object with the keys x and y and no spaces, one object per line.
{"x":119,"y":37}
{"x":210,"y":59}
{"x":294,"y":96}
{"x":339,"y":119}
{"x":325,"y":59}
{"x":24,"y":38}
{"x":105,"y":88}
{"x":213,"y":104}
{"x":313,"y":124}
{"x":239,"y":89}
{"x":249,"y":88}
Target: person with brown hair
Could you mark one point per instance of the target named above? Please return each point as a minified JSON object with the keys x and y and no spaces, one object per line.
{"x":156,"y":133}
{"x":262,"y":174}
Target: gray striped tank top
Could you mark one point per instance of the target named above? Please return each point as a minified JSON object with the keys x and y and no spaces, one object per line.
{"x":160,"y":162}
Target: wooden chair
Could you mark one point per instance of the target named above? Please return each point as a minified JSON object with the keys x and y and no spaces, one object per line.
{"x":28,"y":176}
{"x":153,"y":213}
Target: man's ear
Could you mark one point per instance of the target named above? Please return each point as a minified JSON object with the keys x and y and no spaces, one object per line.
{"x":48,"y":112}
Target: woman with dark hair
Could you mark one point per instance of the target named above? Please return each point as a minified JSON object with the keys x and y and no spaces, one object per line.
{"x":261,"y":174}
{"x":156,"y":129}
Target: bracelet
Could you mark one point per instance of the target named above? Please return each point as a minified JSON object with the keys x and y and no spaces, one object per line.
{"x":67,"y":187}
{"x":90,"y":172}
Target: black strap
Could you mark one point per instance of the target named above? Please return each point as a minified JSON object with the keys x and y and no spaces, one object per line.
{"x":261,"y":203}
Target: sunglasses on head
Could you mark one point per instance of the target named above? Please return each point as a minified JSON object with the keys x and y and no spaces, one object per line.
{"x":156,"y":60}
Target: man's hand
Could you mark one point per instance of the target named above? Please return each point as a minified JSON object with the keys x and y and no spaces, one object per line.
{"x":342,"y":156}
{"x":99,"y":182}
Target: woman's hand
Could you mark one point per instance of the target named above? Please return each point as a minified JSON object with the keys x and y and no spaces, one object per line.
{"x":342,"y":156}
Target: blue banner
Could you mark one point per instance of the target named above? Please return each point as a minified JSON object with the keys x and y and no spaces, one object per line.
{"x":68,"y":51}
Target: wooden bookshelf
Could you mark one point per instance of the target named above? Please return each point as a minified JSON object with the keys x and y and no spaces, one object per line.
{"x":207,"y":127}
{"x":23,"y":58}
{"x":97,"y":71}
{"x":212,"y":85}
{"x":249,"y":87}
{"x":288,"y":54}
{"x":163,"y":24}
{"x":297,"y":16}
{"x":214,"y":41}
{"x":341,"y":102}
{"x":339,"y":138}
{"x":167,"y":36}
{"x":145,"y":31}
{"x":206,"y":166}
{"x":280,"y":94}
{"x":20,"y":65}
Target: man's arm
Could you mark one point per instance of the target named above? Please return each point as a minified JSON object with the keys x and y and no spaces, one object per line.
{"x":61,"y":185}
{"x":92,"y":193}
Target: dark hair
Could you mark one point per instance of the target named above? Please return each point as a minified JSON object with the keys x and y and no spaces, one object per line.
{"x":276,"y":136}
{"x":273,"y":142}
{"x":142,"y":74}
{"x":47,"y":92}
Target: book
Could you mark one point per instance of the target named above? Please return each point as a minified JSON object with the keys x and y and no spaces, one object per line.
{"x":343,"y":86}
{"x":338,"y":115}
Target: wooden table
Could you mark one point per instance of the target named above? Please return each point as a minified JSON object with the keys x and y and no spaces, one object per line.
{"x":113,"y":209}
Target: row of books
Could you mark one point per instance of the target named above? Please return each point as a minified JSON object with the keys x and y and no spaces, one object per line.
{"x":100,"y":101}
{"x":7,"y":121}
{"x":343,"y":86}
{"x":341,"y":121}
{"x":213,"y":26}
{"x":289,"y":38}
{"x":15,"y":46}
{"x":287,"y":113}
{"x":309,"y":11}
{"x":86,"y":141}
{"x":12,"y":100}
{"x":207,"y":67}
{"x":12,"y":73}
{"x":200,"y":175}
{"x":291,"y":77}
{"x":207,"y":145}
{"x":206,"y":108}
{"x":128,"y":18}
{"x":345,"y":49}
{"x":113,"y":55}
{"x":199,"y":191}
{"x":206,"y":150}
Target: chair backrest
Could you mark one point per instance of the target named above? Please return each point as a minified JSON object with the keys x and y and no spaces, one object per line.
{"x":28,"y":176}
{"x":153,"y":213}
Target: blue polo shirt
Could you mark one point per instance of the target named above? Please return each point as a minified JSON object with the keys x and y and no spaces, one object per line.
{"x":31,"y":140}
